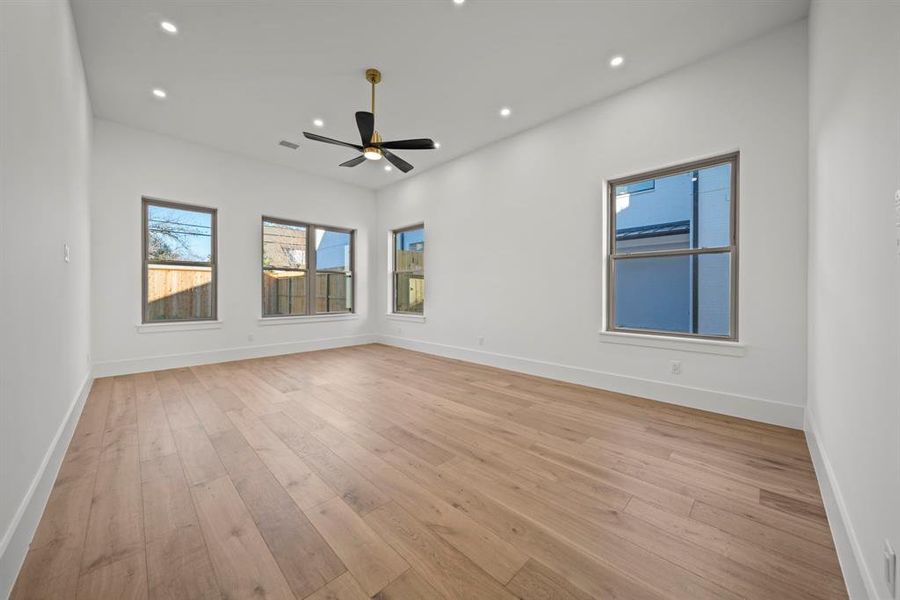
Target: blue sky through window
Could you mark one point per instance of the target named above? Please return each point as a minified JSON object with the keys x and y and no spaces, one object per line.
{"x":332,"y":250}
{"x":179,"y":234}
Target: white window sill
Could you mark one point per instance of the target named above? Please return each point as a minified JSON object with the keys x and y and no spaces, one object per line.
{"x":702,"y":346}
{"x":407,"y":318}
{"x":177,"y":326}
{"x":300,"y":319}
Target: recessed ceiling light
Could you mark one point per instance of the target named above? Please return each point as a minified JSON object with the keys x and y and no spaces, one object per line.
{"x":505,"y":112}
{"x":318,"y":122}
{"x":388,"y":168}
{"x":616,"y":61}
{"x":168,"y":27}
{"x":458,"y":2}
{"x":437,"y":145}
{"x":159,"y":93}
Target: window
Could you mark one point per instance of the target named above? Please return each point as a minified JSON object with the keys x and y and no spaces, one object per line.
{"x":179,"y":262}
{"x":673,"y":251}
{"x":409,"y":270}
{"x":307,"y":269}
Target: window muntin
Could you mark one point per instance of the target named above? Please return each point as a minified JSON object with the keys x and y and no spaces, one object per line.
{"x":408,"y":274}
{"x":303,"y":261}
{"x":673,"y":251}
{"x":179,"y":262}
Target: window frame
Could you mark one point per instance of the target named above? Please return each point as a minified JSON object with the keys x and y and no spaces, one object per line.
{"x":146,"y":203}
{"x":612,"y":257}
{"x":310,"y":270}
{"x":395,"y":272}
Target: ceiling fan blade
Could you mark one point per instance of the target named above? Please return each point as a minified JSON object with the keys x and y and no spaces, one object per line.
{"x":320,"y":138}
{"x":397,"y":161}
{"x":366,"y":123}
{"x":353,"y":161}
{"x":417,"y":144}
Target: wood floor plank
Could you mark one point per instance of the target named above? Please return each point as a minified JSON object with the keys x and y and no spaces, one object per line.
{"x":446,"y":569}
{"x":373,"y":563}
{"x":794,"y":506}
{"x":787,"y":570}
{"x":409,"y":586}
{"x":243,"y":564}
{"x":115,"y":526}
{"x":124,"y":579}
{"x":178,"y":563}
{"x":536,"y":581}
{"x":305,"y":487}
{"x":341,"y":588}
{"x":489,"y":551}
{"x":360,"y":494}
{"x":306,"y":560}
{"x":199,"y":458}
{"x":155,"y":436}
{"x":768,"y":537}
{"x":416,"y":445}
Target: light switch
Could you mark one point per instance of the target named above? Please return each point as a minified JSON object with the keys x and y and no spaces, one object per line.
{"x":66,"y":252}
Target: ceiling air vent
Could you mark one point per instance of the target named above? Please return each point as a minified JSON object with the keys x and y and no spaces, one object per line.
{"x":288,"y":144}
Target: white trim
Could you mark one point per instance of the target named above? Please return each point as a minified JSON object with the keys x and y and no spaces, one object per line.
{"x":682,"y":344}
{"x":736,"y":405}
{"x":177,"y":326}
{"x":859,"y":582}
{"x":405,"y":317}
{"x":298,"y":319}
{"x":174,"y":361}
{"x":17,"y":537}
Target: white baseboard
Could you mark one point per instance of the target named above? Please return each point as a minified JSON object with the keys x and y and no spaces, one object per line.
{"x":174,"y":361}
{"x":860,"y":584}
{"x":747,"y":407}
{"x":18,"y":536}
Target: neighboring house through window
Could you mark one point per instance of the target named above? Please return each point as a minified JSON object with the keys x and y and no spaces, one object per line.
{"x":302,"y":261}
{"x":179,"y":262}
{"x":673,"y":251}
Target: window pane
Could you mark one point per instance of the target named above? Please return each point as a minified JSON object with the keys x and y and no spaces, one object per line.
{"x":683,"y":294}
{"x":332,"y":250}
{"x":409,"y":293}
{"x":284,"y":246}
{"x":409,"y":247}
{"x":175,"y":234}
{"x":284,"y":292}
{"x":686,"y":210}
{"x":179,"y":292}
{"x":334,"y":292}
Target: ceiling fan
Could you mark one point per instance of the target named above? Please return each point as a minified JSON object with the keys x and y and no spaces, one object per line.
{"x":371,"y":146}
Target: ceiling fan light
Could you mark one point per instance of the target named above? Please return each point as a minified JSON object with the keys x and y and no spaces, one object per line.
{"x":372,"y":153}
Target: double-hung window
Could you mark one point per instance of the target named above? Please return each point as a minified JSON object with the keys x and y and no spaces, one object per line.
{"x":408,"y":274}
{"x":306,"y":269}
{"x":179,"y":262}
{"x":672,"y":266}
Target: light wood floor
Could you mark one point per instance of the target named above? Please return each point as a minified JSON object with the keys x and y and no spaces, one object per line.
{"x":377,"y":472}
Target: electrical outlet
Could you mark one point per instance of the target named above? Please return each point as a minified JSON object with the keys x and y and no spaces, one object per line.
{"x":890,"y":569}
{"x":480,"y":341}
{"x":66,"y":252}
{"x":676,"y":367}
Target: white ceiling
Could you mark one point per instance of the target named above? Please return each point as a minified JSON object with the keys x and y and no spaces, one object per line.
{"x":241,"y":76}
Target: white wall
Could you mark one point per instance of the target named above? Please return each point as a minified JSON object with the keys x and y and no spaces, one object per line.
{"x":854,"y":303}
{"x":129,"y":164}
{"x":45,"y":138}
{"x":499,"y":220}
